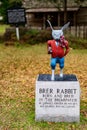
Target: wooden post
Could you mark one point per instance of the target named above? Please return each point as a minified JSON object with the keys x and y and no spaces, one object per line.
{"x":74,"y":18}
{"x":86,"y":32}
{"x":76,"y":31}
{"x":44,"y":20}
{"x":79,"y":30}
{"x":65,"y":11}
{"x":75,"y":24}
{"x":58,"y":19}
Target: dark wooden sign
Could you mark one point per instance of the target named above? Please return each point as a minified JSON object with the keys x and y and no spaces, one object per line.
{"x":16,"y":16}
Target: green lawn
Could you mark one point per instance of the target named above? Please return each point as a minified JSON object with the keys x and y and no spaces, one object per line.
{"x":2,"y":28}
{"x":19,"y":67}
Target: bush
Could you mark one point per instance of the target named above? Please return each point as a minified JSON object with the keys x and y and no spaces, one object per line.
{"x":36,"y":36}
{"x":32,"y":36}
{"x":9,"y":33}
{"x":1,"y":38}
{"x":77,"y":43}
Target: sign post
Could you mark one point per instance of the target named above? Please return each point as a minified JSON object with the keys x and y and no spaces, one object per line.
{"x":16,"y":16}
{"x":17,"y":33}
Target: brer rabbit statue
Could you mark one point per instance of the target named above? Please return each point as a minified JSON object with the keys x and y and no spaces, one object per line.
{"x":58,"y":48}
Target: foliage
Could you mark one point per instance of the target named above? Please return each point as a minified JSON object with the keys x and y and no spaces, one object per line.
{"x":19,"y":67}
{"x":63,"y":3}
{"x":5,"y":4}
{"x":28,"y":36}
{"x":3,"y":28}
{"x":32,"y":37}
{"x":79,"y":1}
{"x":58,"y":1}
{"x":76,"y":42}
{"x":2,"y":31}
{"x":15,"y":3}
{"x":3,"y":7}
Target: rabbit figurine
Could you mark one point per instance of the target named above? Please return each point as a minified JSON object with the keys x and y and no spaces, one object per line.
{"x":58,"y":48}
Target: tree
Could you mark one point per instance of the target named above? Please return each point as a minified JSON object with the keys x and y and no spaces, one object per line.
{"x":3,"y":7}
{"x":79,"y":2}
{"x":63,"y":3}
{"x":5,"y":4}
{"x":58,"y":4}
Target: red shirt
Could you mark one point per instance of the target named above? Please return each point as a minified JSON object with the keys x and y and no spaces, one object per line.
{"x":58,"y":51}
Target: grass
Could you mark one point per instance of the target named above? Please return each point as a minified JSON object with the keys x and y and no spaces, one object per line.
{"x":19,"y":67}
{"x":2,"y":28}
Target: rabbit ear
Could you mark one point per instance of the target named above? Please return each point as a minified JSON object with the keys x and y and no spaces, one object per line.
{"x":50,"y":24}
{"x":65,"y":26}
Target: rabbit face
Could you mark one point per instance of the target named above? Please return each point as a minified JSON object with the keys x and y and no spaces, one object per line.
{"x":56,"y":34}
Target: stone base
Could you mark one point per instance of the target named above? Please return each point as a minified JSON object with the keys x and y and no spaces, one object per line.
{"x":59,"y":100}
{"x":55,"y":118}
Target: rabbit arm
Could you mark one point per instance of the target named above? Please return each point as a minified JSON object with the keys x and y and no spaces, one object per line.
{"x":49,"y":47}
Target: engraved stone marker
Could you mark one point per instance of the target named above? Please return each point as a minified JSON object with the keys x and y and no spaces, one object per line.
{"x":59,"y":100}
